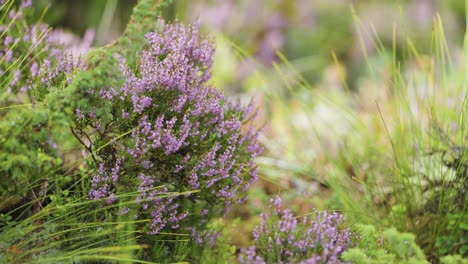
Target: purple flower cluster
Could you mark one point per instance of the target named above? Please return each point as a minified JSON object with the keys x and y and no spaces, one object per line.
{"x":281,"y":238}
{"x":16,"y":41}
{"x":183,"y":134}
{"x":43,"y":51}
{"x":163,"y":206}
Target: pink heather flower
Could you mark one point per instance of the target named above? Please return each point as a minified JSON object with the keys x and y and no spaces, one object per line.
{"x":125,"y":211}
{"x":8,"y":40}
{"x":34,"y":69}
{"x":16,"y":78}
{"x":26,"y":3}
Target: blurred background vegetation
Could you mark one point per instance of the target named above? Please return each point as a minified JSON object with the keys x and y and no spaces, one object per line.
{"x":307,"y":32}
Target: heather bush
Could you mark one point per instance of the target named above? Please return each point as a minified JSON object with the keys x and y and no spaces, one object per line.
{"x":179,"y":134}
{"x":158,"y":121}
{"x":283,"y":238}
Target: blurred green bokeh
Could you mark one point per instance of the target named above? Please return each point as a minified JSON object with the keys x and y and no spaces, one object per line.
{"x":307,"y":32}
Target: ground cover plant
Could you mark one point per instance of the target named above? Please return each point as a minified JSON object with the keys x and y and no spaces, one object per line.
{"x":281,"y":238}
{"x":128,"y":152}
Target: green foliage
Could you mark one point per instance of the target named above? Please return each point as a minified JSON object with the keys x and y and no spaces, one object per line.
{"x":220,"y":250}
{"x":166,"y":251}
{"x":314,"y":46}
{"x":26,"y":156}
{"x":29,"y":156}
{"x":453,"y":259}
{"x":432,"y":198}
{"x":390,"y":246}
{"x":455,"y":239}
